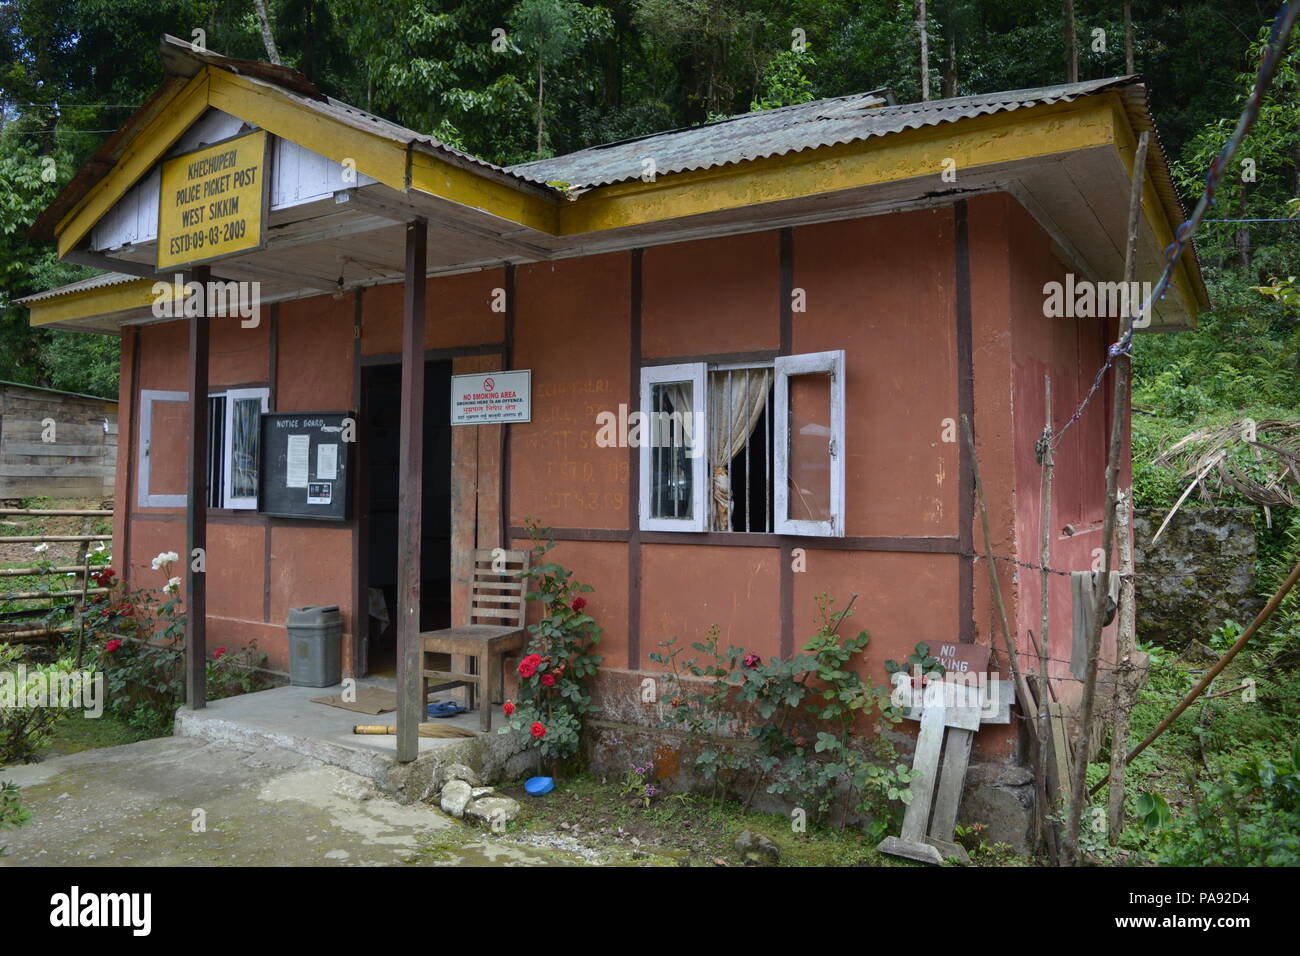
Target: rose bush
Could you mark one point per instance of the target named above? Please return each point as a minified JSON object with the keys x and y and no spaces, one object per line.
{"x":560,"y":658}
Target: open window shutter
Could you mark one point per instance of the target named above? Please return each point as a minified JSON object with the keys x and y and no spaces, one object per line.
{"x":674,"y":448}
{"x":240,"y":435}
{"x":808,"y":435}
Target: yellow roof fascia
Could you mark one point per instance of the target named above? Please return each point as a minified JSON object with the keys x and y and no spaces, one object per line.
{"x":979,"y":141}
{"x":88,"y":303}
{"x":265,"y":106}
{"x":145,"y":149}
{"x":1153,"y":207}
{"x":437,"y":177}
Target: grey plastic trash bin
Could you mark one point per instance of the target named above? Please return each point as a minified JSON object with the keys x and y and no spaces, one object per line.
{"x":315,"y":634}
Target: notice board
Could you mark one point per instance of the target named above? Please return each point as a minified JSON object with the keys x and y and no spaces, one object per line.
{"x":306,"y":467}
{"x":213,"y":202}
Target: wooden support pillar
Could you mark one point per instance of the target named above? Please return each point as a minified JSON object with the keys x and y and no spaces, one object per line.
{"x":196,"y":506}
{"x":410,"y":663}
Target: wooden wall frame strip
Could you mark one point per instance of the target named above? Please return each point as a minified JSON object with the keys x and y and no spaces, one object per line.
{"x":123,"y":557}
{"x":886,"y":543}
{"x":634,"y":472}
{"x":717,"y":358}
{"x":507,"y":358}
{"x":435,"y":355}
{"x":966,"y":407}
{"x":786,"y":570}
{"x":360,"y":511}
{"x":272,"y":380}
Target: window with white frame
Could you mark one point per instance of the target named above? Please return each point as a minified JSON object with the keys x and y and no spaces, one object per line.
{"x":233,"y":435}
{"x":744,"y":448}
{"x":232,"y":447}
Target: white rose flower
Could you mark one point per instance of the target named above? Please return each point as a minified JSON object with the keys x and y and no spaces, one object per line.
{"x":166,"y":557}
{"x":41,"y":548}
{"x":173,"y":586}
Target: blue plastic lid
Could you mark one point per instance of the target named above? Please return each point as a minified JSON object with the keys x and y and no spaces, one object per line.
{"x":538,"y":786}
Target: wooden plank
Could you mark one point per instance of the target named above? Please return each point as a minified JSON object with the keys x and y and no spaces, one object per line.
{"x":196,"y":512}
{"x":411,"y":685}
{"x":926,"y":763}
{"x":488,"y":520}
{"x":40,"y":449}
{"x":51,"y":470}
{"x":1059,"y":775}
{"x":952,"y":778}
{"x":26,"y":430}
{"x":468,"y":495}
{"x":911,"y":843}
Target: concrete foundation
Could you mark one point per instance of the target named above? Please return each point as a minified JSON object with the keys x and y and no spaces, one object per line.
{"x":286,"y":718}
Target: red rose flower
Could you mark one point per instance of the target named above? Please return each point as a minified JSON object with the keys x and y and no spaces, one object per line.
{"x":538,"y":730}
{"x":579,"y":603}
{"x":112,"y":645}
{"x":752,"y":660}
{"x":528,"y":666}
{"x":216,"y":655}
{"x":509,"y":708}
{"x":548,"y":680}
{"x":125,"y":610}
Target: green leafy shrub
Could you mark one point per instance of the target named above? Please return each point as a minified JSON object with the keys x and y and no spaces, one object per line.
{"x":24,"y":729}
{"x":808,"y":707}
{"x":1250,"y":818}
{"x":12,"y":814}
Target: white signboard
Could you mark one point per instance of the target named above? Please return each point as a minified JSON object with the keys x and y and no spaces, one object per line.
{"x":489,"y":398}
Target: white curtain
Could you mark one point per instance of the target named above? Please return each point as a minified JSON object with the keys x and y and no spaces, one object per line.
{"x":737,"y":401}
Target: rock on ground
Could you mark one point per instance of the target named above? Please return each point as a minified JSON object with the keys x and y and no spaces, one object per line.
{"x":754,"y":847}
{"x":455,"y":796}
{"x":494,"y":812}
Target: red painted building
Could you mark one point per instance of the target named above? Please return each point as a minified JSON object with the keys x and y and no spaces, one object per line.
{"x":862,"y":274}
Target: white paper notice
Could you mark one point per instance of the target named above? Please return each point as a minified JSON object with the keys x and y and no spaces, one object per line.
{"x":327,"y":462}
{"x":299,"y":456}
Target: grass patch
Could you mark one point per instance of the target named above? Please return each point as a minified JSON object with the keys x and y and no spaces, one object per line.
{"x":79,"y":732}
{"x":691,"y":828}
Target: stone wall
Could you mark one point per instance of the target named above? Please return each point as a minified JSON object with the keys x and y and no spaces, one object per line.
{"x":1197,"y":576}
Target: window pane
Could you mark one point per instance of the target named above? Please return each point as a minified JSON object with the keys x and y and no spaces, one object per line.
{"x":216,"y":451}
{"x":810,"y":444}
{"x":243,"y":447}
{"x":669,"y":433}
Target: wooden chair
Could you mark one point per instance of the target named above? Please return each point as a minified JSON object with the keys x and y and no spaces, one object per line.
{"x":496,"y":597}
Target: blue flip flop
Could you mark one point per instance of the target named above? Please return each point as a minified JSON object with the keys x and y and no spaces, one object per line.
{"x":447,"y":709}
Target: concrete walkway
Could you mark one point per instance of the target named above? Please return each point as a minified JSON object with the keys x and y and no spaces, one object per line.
{"x":286,"y":718}
{"x":182,"y":801}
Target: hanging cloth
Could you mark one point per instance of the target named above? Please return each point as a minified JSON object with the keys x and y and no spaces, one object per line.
{"x":737,"y":401}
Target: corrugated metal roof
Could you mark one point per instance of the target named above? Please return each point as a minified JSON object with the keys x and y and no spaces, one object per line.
{"x":789,"y":129}
{"x":81,"y":285}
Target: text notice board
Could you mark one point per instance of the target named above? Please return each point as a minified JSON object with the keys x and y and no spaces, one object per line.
{"x":306,"y":465}
{"x":212,"y":202}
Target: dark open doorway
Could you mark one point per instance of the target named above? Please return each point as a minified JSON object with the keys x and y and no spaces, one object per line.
{"x":381,"y":390}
